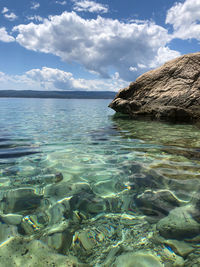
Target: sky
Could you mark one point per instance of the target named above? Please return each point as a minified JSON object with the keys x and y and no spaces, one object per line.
{"x":91,"y":45}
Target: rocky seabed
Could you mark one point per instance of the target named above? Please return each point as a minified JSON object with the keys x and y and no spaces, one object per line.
{"x":148,"y":221}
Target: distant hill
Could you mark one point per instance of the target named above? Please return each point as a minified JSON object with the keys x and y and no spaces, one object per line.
{"x":58,"y":94}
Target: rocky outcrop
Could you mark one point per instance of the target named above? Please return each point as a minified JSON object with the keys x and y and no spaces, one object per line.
{"x":170,"y":92}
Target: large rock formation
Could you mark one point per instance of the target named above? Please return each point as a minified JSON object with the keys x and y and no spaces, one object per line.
{"x":170,"y":92}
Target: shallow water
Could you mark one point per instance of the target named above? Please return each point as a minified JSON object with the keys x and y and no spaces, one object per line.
{"x":77,"y":152}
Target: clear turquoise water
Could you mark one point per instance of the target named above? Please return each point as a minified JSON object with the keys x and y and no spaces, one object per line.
{"x":83,"y":140}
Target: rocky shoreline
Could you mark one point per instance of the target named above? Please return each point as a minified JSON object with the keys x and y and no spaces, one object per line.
{"x":170,"y":92}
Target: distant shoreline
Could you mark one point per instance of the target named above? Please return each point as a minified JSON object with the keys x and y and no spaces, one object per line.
{"x":57,"y":94}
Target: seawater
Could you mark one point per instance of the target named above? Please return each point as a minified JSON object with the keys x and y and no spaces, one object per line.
{"x":72,"y":174}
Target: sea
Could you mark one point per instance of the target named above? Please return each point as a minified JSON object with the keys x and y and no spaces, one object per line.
{"x":80,"y":184}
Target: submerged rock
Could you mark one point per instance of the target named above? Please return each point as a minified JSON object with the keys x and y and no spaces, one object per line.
{"x":139,"y":259}
{"x":179,"y":247}
{"x":170,"y":92}
{"x":157,"y":203}
{"x":193,"y":260}
{"x":6,"y":231}
{"x":31,"y":224}
{"x":60,"y":241}
{"x":88,"y":203}
{"x":186,"y":190}
{"x":39,"y":179}
{"x":91,"y":237}
{"x":170,"y":258}
{"x":58,"y":211}
{"x":146,"y":180}
{"x":12,"y":219}
{"x":24,"y":252}
{"x":21,"y":199}
{"x":179,"y":224}
{"x":65,"y":189}
{"x":58,"y":237}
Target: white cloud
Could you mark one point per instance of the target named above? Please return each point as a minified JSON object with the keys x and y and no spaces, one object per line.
{"x":185,"y":18}
{"x":6,"y":81}
{"x":5,"y":10}
{"x":112,"y":84}
{"x":141,"y":66}
{"x":54,"y":79}
{"x":90,"y":6}
{"x":164,"y":54}
{"x":5,"y":37}
{"x":35,"y":5}
{"x":98,"y":44}
{"x":2,"y":76}
{"x":10,"y":16}
{"x":35,"y":17}
{"x":15,"y":82}
{"x":133,"y":69}
{"x":61,"y":2}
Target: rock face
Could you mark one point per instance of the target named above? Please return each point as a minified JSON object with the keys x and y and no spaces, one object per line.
{"x":170,"y":92}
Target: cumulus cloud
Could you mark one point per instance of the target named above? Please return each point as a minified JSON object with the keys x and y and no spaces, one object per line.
{"x":35,"y":5}
{"x":52,"y":78}
{"x":5,"y":37}
{"x":185,"y":18}
{"x":61,"y":2}
{"x":90,"y":6}
{"x":55,"y":79}
{"x":99,"y":44}
{"x":164,"y":54}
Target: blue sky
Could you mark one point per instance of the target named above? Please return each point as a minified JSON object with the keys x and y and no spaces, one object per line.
{"x":91,"y":45}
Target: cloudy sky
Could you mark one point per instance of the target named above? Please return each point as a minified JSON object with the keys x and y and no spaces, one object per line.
{"x":91,"y":45}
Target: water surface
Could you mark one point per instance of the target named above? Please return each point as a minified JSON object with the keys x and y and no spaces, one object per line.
{"x":78,"y":151}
